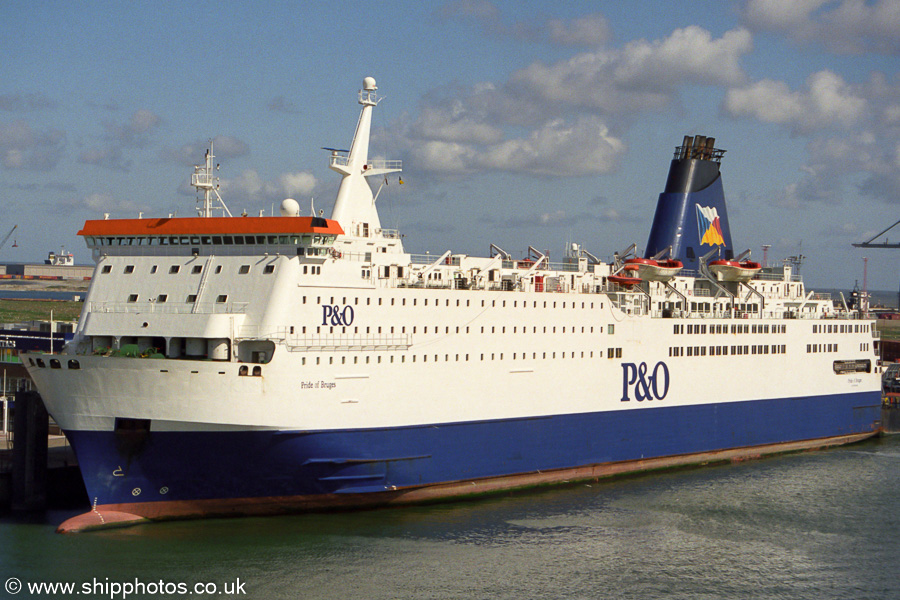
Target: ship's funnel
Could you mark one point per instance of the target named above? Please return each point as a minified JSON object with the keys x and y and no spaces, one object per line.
{"x":690,"y":214}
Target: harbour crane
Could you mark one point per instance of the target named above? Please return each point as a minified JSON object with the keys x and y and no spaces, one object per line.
{"x":8,"y":235}
{"x":870,"y":243}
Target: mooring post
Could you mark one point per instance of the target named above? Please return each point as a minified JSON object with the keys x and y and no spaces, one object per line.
{"x":29,"y":472}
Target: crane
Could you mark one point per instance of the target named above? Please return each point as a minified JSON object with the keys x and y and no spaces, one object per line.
{"x":5,"y":239}
{"x":871,"y":243}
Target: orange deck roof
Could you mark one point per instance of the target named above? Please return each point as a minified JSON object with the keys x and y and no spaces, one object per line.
{"x":211,"y":226}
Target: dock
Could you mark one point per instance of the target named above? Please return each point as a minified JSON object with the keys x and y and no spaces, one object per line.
{"x":38,"y":469}
{"x":890,"y":413}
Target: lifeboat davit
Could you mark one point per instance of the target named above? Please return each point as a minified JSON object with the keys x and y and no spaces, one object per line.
{"x":732,"y":270}
{"x":655,"y":270}
{"x":626,"y":279}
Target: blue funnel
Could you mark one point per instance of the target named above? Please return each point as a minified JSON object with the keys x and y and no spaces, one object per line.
{"x":690,"y":214}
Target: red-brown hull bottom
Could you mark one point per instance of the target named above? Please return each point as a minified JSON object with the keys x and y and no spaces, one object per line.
{"x":108,"y":516}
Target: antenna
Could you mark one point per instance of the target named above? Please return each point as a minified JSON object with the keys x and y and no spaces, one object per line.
{"x":204,"y":180}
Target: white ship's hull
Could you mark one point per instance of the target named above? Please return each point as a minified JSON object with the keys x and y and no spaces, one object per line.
{"x":366,"y":427}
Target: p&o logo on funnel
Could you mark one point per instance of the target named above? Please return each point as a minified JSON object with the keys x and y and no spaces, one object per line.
{"x":708,"y":226}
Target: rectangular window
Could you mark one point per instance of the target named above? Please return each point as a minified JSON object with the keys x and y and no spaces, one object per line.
{"x":269,"y":269}
{"x":191,"y":298}
{"x":129,"y":268}
{"x":196,"y":269}
{"x":162,"y":298}
{"x":222,"y":298}
{"x":244,"y":269}
{"x":174,"y":269}
{"x":133,"y":298}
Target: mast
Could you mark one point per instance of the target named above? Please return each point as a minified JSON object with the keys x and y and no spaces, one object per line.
{"x":205,"y":181}
{"x":354,"y":207}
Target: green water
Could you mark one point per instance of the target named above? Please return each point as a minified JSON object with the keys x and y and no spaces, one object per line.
{"x":816,"y":525}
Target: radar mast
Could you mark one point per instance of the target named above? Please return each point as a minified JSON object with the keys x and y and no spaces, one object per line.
{"x":206,"y":182}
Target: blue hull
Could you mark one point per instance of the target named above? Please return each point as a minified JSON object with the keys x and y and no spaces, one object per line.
{"x":189,"y":466}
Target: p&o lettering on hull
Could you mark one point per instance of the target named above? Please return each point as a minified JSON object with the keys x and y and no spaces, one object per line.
{"x":336,"y":315}
{"x":645,"y":384}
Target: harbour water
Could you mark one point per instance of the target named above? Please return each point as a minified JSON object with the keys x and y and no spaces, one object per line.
{"x":818,"y":525}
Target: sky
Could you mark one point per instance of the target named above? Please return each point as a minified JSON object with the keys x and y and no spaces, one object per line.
{"x":519,"y":123}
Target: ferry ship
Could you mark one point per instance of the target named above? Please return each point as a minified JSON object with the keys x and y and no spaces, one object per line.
{"x":267,"y":364}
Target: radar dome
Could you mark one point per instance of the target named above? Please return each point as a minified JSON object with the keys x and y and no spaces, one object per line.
{"x":369,"y":84}
{"x":290,"y":208}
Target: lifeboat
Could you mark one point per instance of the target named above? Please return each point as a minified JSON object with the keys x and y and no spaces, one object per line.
{"x":654,"y":270}
{"x":732,"y":270}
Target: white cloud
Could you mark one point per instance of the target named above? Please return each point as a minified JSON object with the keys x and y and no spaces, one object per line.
{"x":194,"y":153}
{"x":544,"y":121}
{"x":847,"y":26}
{"x":826,"y":101}
{"x":456,"y":125}
{"x":251,"y":187}
{"x":640,"y":76}
{"x":108,"y":157}
{"x":690,"y":54}
{"x":134,"y":131}
{"x":25,"y":148}
{"x":589,"y":30}
{"x":101,"y":203}
{"x":558,"y":147}
{"x":297,"y":184}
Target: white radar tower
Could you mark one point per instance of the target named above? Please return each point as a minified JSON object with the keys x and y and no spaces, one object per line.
{"x":354,"y":207}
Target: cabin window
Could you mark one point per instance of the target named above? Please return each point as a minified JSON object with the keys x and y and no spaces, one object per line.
{"x":133,"y":298}
{"x":206,"y":240}
{"x":244,"y":269}
{"x":107,"y":268}
{"x":269,"y":269}
{"x":222,"y":298}
{"x":129,"y":269}
{"x":191,"y":298}
{"x":153,"y":269}
{"x":218,"y":269}
{"x":174,"y":269}
{"x":197,"y":269}
{"x":217,"y":239}
{"x":162,"y":297}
